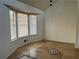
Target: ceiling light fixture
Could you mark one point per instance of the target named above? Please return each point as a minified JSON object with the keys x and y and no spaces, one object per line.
{"x":52,"y":2}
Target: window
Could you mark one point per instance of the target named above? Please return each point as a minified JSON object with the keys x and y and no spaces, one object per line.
{"x":13,"y":25}
{"x":33,"y":25}
{"x":22,"y":24}
{"x":19,"y":25}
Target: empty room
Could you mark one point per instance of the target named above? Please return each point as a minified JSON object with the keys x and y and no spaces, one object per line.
{"x":39,"y":29}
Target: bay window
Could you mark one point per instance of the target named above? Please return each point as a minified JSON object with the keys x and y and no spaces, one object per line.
{"x":21,"y":24}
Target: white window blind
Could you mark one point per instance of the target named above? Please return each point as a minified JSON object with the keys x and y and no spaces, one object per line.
{"x":22,"y":24}
{"x":33,"y":25}
{"x":13,"y":25}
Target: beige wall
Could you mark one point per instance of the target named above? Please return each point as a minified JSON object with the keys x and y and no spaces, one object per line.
{"x":77,"y":37}
{"x":61,"y":21}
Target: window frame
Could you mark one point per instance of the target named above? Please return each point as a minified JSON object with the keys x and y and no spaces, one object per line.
{"x":28,"y":14}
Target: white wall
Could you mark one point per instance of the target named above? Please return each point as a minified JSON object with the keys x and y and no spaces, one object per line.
{"x":77,"y":37}
{"x":6,"y":47}
{"x":61,"y":21}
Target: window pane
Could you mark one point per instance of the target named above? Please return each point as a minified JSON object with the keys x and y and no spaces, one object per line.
{"x":22,"y":25}
{"x":12,"y":25}
{"x":33,"y":25}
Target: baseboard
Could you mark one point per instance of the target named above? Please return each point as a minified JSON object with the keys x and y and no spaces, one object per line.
{"x":11,"y":53}
{"x":45,"y":40}
{"x":32,"y":43}
{"x":59,"y":42}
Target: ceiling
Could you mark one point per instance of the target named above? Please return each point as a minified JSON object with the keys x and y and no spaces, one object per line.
{"x":41,"y":4}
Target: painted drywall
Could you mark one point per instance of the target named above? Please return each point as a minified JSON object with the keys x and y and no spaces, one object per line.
{"x":6,"y":47}
{"x":77,"y":35}
{"x":61,"y":20}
